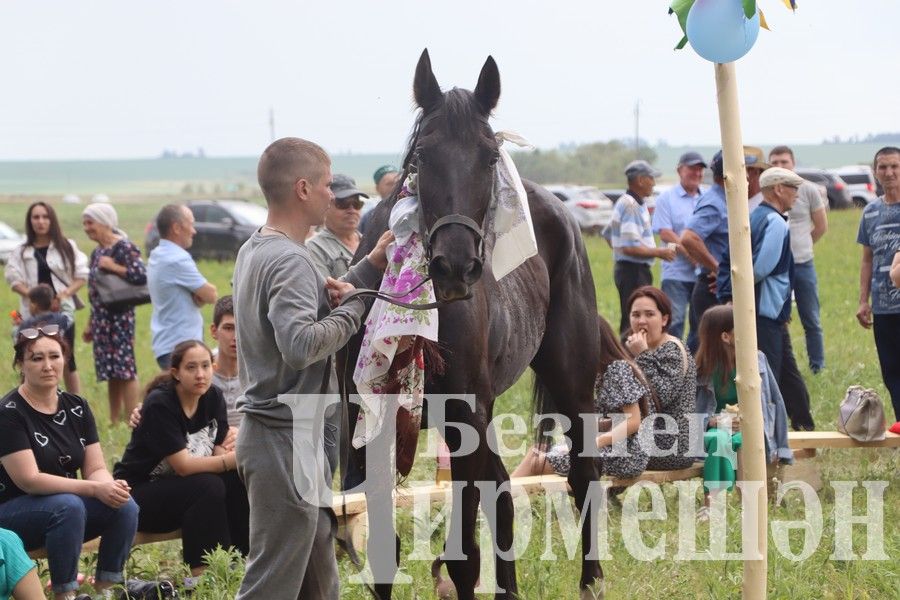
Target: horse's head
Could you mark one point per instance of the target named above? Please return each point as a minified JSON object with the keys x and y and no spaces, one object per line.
{"x":454,"y":153}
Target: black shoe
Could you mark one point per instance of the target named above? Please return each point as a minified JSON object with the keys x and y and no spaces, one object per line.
{"x":137,"y":589}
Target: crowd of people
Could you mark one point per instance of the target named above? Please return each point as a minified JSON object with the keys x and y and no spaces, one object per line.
{"x":206,"y":454}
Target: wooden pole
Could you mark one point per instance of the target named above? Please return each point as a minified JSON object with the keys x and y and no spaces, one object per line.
{"x":752,"y":453}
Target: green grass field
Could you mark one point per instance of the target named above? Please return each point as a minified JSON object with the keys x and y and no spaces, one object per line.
{"x":851,"y":359}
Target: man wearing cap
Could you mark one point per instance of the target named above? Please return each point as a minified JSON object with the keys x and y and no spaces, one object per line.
{"x":634,"y":247}
{"x":386,"y":177}
{"x":755,"y":163}
{"x":808,"y":221}
{"x":770,"y":240}
{"x":705,"y":239}
{"x":674,"y":208}
{"x":333,"y":247}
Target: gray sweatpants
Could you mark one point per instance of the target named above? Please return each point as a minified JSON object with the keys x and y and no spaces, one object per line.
{"x":291,"y":541}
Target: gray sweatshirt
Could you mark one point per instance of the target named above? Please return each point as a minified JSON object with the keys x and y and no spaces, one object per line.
{"x":285,"y":327}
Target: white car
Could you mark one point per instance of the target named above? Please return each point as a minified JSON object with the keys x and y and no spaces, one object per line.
{"x":10,"y":239}
{"x":591,"y":209}
{"x":860,"y":182}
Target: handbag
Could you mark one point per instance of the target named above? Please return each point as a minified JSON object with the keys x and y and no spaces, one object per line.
{"x":118,"y":294}
{"x":861,"y":415}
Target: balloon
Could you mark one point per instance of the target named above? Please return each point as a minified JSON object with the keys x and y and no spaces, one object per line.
{"x":719,"y":31}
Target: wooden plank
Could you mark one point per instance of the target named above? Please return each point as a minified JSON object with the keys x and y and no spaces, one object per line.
{"x":139,"y":538}
{"x":405,"y":497}
{"x":835,"y":439}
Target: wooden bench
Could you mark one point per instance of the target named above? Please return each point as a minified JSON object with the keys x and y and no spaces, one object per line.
{"x":139,"y":538}
{"x":351,"y":509}
{"x":835,"y":439}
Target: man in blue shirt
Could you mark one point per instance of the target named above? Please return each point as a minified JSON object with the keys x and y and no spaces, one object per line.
{"x":705,"y":239}
{"x":773,"y":262}
{"x":177,"y":289}
{"x":634,"y":247}
{"x":674,"y":208}
{"x":879,"y":234}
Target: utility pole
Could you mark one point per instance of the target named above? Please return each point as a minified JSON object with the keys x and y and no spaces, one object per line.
{"x":637,"y":129}
{"x":272,"y":123}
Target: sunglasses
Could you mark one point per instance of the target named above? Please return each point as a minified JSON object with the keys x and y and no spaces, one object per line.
{"x":345,"y":203}
{"x":32,"y":333}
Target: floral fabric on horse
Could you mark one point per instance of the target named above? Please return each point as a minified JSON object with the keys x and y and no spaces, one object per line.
{"x":391,"y":361}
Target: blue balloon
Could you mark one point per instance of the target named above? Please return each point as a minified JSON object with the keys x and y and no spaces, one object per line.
{"x":719,"y":31}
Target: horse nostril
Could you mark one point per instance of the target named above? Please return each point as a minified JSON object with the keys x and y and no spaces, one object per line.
{"x":474,"y":272}
{"x":439,"y":267}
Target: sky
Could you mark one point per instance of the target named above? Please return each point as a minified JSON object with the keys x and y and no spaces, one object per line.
{"x":111,"y":79}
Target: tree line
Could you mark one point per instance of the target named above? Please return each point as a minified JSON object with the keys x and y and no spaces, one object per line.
{"x":589,"y":164}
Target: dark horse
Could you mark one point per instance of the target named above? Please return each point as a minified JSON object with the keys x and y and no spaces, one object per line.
{"x":543,"y":314}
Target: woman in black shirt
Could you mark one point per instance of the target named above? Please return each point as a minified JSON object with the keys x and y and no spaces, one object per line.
{"x":182,"y":477}
{"x":48,"y":437}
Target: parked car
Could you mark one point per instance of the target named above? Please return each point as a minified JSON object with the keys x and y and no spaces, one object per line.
{"x":860,"y":181}
{"x":9,"y":240}
{"x":838,"y":194}
{"x":222,"y":227}
{"x":588,"y":205}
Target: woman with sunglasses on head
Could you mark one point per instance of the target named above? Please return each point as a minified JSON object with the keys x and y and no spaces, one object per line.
{"x":47,"y":256}
{"x":112,"y":331}
{"x":181,"y":474}
{"x":333,"y":247}
{"x":49,"y":437}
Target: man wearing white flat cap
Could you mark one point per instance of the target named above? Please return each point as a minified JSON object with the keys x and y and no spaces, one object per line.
{"x":773,"y":262}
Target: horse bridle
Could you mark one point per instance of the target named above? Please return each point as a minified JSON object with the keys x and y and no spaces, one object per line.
{"x":427,"y":235}
{"x":452,"y":219}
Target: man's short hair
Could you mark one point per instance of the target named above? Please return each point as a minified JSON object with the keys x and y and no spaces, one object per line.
{"x":224,"y":307}
{"x":41,"y":296}
{"x":284,"y":162}
{"x":782,"y":150}
{"x":167,"y":217}
{"x":884,"y":152}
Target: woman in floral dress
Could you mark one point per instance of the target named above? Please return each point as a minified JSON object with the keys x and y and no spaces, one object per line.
{"x":620,"y":389}
{"x":112,"y":332}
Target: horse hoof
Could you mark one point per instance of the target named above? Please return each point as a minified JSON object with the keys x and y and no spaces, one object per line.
{"x":443,"y":588}
{"x":595,"y":591}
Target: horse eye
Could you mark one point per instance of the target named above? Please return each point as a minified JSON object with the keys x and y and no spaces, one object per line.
{"x":495,"y":157}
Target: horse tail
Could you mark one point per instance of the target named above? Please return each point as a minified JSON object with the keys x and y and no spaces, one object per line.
{"x":542,"y":403}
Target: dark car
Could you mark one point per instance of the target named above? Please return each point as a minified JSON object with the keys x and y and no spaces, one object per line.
{"x":838,"y":192}
{"x":222,"y":227}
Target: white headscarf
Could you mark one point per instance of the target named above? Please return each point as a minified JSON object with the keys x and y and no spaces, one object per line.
{"x":105,"y":214}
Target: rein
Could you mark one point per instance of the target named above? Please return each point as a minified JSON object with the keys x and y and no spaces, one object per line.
{"x":394,"y":298}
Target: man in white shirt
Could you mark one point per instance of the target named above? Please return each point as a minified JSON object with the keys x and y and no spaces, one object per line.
{"x":808,"y":222}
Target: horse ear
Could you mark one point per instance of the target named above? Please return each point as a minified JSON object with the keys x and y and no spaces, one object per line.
{"x":487,"y":92}
{"x":425,"y":87}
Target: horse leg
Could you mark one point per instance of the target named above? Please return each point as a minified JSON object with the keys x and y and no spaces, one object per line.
{"x":503,"y":531}
{"x":465,"y":571}
{"x":569,"y":379}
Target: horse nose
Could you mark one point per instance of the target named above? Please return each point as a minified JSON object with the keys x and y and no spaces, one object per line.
{"x":474,"y":272}
{"x":440,"y":268}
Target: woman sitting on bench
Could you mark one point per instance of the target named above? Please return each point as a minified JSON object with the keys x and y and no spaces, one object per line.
{"x":182,"y":476}
{"x":620,"y":389}
{"x":669,"y":368}
{"x":48,"y":437}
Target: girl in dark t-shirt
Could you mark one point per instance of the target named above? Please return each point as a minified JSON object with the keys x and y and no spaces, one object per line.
{"x":49,"y":438}
{"x":182,"y":475}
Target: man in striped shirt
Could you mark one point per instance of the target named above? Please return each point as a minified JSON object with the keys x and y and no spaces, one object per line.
{"x":634,"y":247}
